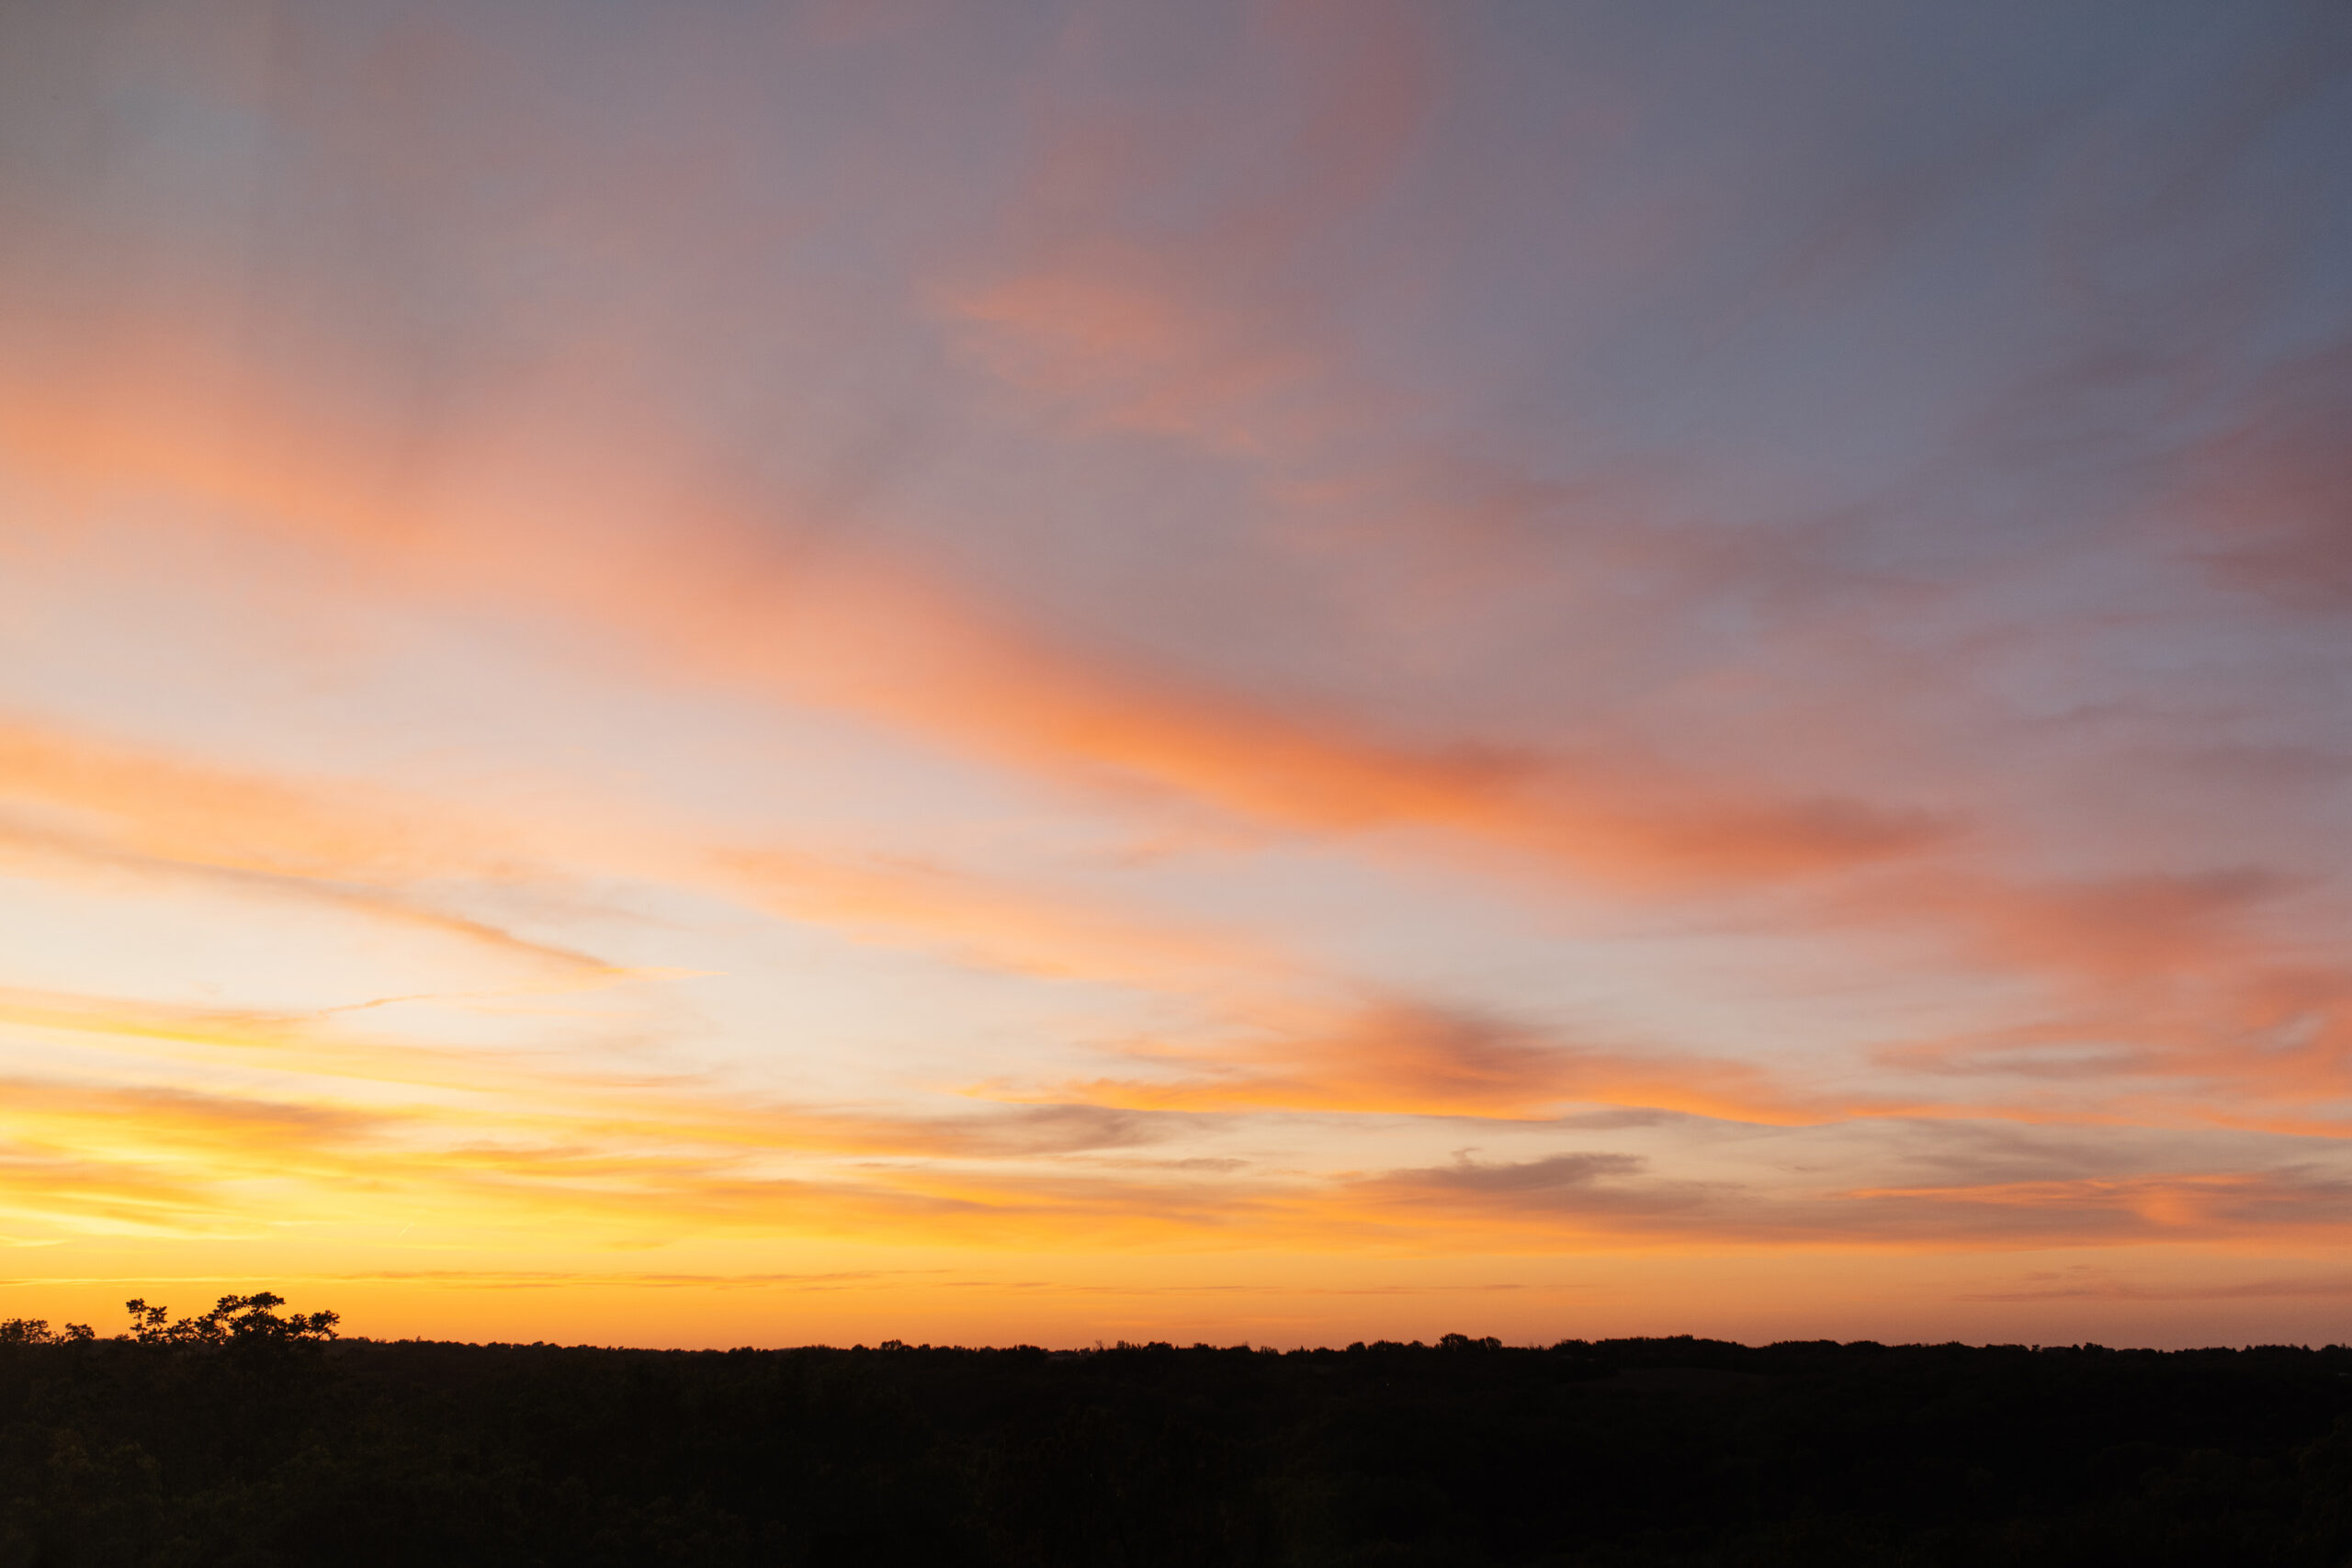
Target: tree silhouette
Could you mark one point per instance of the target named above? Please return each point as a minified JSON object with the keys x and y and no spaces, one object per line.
{"x":36,"y":1331}
{"x":241,"y":1320}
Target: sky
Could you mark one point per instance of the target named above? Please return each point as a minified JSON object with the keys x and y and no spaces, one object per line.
{"x":728,"y":673}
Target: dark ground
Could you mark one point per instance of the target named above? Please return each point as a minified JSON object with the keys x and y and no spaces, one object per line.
{"x":276,"y":1446}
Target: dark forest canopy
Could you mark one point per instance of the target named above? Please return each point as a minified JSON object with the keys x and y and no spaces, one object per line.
{"x":252,"y":1435}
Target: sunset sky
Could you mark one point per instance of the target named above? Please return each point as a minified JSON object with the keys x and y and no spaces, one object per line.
{"x":701,"y":674}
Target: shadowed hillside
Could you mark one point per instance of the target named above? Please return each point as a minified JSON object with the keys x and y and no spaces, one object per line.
{"x":248,"y":1436}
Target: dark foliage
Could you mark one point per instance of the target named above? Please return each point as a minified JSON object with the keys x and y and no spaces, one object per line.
{"x":246,"y":1437}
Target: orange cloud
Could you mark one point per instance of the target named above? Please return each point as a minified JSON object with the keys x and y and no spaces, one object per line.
{"x":91,"y":804}
{"x":711,"y":593}
{"x":168,"y":807}
{"x":2263,"y":502}
{"x":533,"y":510}
{"x":2166,"y":996}
{"x":2206,"y":1206}
{"x":488,"y":1147}
{"x":84,"y":804}
{"x":2095,"y":1068}
{"x":1202,"y":330}
{"x":1607,"y":1198}
{"x":887,"y":644}
{"x":1400,"y":1059}
{"x":997,"y":926}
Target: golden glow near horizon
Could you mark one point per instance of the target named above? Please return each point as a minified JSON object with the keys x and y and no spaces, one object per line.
{"x":1287,"y":673}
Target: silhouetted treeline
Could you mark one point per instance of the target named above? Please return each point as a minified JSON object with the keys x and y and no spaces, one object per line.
{"x":245,"y":1436}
